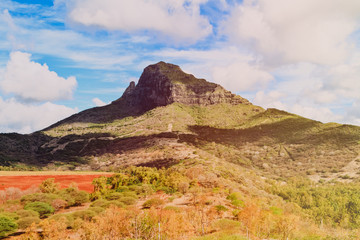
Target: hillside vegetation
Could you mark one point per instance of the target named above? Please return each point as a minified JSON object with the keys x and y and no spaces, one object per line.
{"x":196,"y":162}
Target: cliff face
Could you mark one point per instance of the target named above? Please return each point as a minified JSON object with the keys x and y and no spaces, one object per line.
{"x":163,"y":83}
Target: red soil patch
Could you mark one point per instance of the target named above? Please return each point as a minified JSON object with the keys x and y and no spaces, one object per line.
{"x":25,"y":182}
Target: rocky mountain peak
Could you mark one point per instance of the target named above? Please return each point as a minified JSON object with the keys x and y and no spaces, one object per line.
{"x":160,"y":84}
{"x":163,"y":83}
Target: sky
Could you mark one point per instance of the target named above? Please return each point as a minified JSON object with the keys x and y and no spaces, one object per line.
{"x":59,"y":57}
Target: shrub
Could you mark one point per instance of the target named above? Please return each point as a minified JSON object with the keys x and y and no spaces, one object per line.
{"x":74,"y":197}
{"x":26,"y":222}
{"x":226,"y":224}
{"x":100,"y":203}
{"x":130,"y":194}
{"x":276,"y":210}
{"x":172,"y":208}
{"x":97,"y":210}
{"x":11,"y":215}
{"x":114,"y":196}
{"x":44,"y":209}
{"x":234,"y":196}
{"x":154,"y":202}
{"x":220,"y":208}
{"x":39,"y":197}
{"x":68,"y":219}
{"x":183,"y":187}
{"x":7,"y":225}
{"x":128,"y":200}
{"x":58,"y":204}
{"x":117,"y":203}
{"x":84,"y":214}
{"x":145,"y":190}
{"x":27,"y":213}
{"x":238,"y":203}
{"x":49,"y":186}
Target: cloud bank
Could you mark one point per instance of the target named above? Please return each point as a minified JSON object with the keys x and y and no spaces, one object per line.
{"x":178,"y":19}
{"x":33,"y":87}
{"x":32,"y":81}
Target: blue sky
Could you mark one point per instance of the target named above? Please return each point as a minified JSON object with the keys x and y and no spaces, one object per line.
{"x":63,"y":56}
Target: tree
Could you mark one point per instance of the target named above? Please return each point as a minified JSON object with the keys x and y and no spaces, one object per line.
{"x":49,"y":186}
{"x":42,"y":208}
{"x":7,"y":225}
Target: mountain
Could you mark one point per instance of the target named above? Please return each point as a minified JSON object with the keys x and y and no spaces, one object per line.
{"x":160,"y":84}
{"x":171,"y":118}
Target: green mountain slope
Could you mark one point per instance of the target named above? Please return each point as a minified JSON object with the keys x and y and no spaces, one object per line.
{"x":179,"y":122}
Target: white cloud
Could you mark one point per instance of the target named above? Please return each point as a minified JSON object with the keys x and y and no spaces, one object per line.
{"x":353,"y":113}
{"x":299,"y":30}
{"x":275,"y":99}
{"x":227,"y":66}
{"x":80,"y":50}
{"x":23,"y":118}
{"x":179,"y":19}
{"x":241,"y":76}
{"x":32,"y":81}
{"x":98,"y":102}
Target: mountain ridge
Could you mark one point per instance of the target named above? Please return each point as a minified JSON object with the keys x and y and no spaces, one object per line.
{"x":173,"y":127}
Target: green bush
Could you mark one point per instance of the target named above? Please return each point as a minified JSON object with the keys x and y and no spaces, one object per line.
{"x":234,"y":196}
{"x":220,"y":208}
{"x":117,"y":203}
{"x":11,"y":215}
{"x":7,"y":225}
{"x":226,"y":224}
{"x":39,"y":197}
{"x":49,"y":186}
{"x":44,"y":209}
{"x":100,"y":203}
{"x":97,"y":210}
{"x":114,"y":196}
{"x":154,"y":202}
{"x":84,"y":214}
{"x":238,"y":203}
{"x":26,"y":222}
{"x":74,"y":197}
{"x":27,"y":213}
{"x":67,"y":218}
{"x":128,"y":200}
{"x":172,"y":208}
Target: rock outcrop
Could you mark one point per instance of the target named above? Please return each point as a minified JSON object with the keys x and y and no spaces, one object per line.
{"x":164,"y":83}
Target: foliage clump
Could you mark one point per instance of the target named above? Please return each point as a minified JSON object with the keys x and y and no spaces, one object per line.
{"x":337,"y":204}
{"x":44,"y":209}
{"x":7,"y":225}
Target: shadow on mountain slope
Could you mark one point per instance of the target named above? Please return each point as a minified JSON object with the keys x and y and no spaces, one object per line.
{"x":287,"y":131}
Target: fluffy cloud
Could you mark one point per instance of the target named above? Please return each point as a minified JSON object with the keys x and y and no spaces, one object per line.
{"x":241,"y":76}
{"x":300,"y":30}
{"x":24,"y":118}
{"x":98,"y":102}
{"x":275,"y":99}
{"x":32,"y":81}
{"x":179,"y":19}
{"x":227,"y":66}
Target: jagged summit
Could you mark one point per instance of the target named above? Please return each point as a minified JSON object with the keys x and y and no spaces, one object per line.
{"x":164,"y":83}
{"x":160,"y":84}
